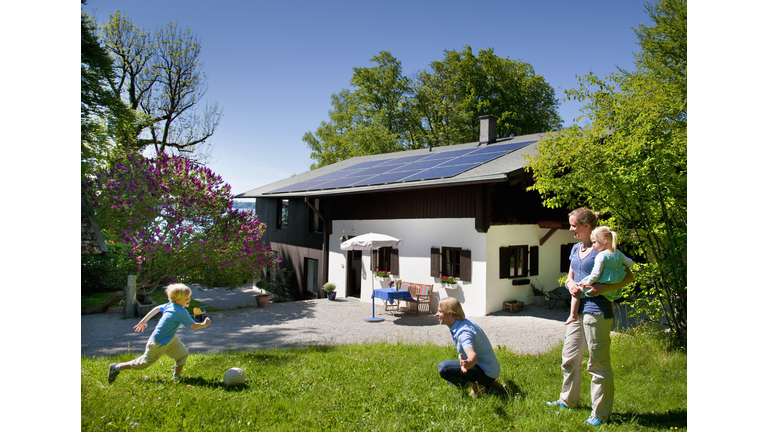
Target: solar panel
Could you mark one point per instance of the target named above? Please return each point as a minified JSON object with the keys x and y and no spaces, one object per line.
{"x":409,"y":168}
{"x":440,"y":172}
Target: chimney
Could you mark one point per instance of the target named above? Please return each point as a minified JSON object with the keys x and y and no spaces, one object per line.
{"x":487,"y":129}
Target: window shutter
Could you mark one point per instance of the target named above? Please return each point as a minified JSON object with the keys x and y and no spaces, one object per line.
{"x":375,"y":260}
{"x":394,"y":262}
{"x":434,"y":255}
{"x":465,"y":265}
{"x":534,"y":259}
{"x":504,"y":263}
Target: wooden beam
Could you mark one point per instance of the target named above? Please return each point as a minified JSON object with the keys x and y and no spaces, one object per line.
{"x":547,"y":236}
{"x":551,"y":224}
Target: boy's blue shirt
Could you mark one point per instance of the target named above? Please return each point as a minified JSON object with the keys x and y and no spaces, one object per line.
{"x":173,"y":316}
{"x":466,"y":333}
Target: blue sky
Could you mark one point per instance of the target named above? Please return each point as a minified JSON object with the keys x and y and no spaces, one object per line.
{"x":273,"y":66}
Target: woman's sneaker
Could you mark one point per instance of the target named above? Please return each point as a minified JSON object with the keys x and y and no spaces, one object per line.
{"x":558,"y":403}
{"x":593,"y":421}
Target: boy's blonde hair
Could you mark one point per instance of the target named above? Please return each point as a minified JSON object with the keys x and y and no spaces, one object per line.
{"x":450,"y":305}
{"x":177,"y":292}
{"x":605,"y":233}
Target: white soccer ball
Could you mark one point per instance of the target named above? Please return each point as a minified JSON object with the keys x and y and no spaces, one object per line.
{"x":234,"y":376}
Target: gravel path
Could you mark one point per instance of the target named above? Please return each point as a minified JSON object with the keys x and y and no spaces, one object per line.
{"x":316,"y":322}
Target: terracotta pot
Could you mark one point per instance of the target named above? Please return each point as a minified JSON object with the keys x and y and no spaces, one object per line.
{"x":262,"y":300}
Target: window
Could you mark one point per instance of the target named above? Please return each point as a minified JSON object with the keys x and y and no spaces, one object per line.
{"x":565,"y":257}
{"x":282,"y":214}
{"x":451,"y":261}
{"x":518,"y":261}
{"x":386,"y":259}
{"x":316,"y":224}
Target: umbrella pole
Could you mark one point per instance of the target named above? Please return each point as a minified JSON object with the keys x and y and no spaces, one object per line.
{"x":373,"y":299}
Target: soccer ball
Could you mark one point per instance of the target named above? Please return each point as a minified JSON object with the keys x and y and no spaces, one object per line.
{"x":234,"y":376}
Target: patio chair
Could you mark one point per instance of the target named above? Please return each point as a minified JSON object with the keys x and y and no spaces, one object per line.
{"x":421,"y":294}
{"x":559,"y":294}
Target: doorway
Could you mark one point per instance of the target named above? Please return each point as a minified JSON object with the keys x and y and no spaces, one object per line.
{"x":311,"y":282}
{"x":354,"y":276}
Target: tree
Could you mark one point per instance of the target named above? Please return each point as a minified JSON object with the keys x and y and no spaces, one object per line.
{"x":178,"y":221}
{"x":459,"y":89}
{"x":102,"y":114}
{"x":160,"y":77}
{"x":631,"y":164}
{"x":389,"y":112}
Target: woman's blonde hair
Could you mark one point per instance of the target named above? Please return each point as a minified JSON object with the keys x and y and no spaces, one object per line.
{"x":450,"y":305}
{"x":177,"y":292}
{"x":605,"y":233}
{"x":584,"y":215}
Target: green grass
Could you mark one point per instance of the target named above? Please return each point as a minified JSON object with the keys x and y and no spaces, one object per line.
{"x":379,"y":387}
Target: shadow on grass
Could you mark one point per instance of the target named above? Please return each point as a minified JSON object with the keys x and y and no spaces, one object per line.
{"x":202,"y":382}
{"x":667,"y":420}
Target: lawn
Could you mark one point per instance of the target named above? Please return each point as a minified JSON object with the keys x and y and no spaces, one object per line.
{"x":378,"y":387}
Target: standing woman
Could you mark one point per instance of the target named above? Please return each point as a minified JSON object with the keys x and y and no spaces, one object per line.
{"x":592,"y":329}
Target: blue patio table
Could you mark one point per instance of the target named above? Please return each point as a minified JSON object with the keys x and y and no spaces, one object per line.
{"x":389,"y":295}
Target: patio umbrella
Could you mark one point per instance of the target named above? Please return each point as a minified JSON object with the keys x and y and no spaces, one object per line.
{"x":370,"y":241}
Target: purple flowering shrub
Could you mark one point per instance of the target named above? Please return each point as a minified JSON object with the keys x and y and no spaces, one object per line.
{"x":178,"y":222}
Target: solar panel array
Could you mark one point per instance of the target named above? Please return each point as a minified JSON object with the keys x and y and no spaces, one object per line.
{"x":407,"y":168}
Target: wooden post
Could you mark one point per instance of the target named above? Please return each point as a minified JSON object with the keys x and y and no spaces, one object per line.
{"x":130,"y":298}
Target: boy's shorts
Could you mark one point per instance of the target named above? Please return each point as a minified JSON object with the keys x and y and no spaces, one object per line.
{"x":174,"y":349}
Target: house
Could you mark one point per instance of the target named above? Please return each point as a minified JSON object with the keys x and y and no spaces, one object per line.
{"x":461,"y":211}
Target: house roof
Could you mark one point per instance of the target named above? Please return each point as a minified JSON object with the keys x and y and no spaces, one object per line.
{"x":494,"y":170}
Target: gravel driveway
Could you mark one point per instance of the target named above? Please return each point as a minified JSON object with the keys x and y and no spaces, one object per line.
{"x":316,"y":322}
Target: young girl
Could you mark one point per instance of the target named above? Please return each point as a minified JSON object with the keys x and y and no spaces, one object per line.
{"x":164,"y":340}
{"x":610,"y":267}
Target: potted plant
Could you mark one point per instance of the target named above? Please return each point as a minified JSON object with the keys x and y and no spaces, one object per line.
{"x":448,"y":282}
{"x":330,"y":290}
{"x":382,"y":274}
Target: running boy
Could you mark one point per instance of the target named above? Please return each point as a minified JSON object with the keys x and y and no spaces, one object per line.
{"x":164,"y":340}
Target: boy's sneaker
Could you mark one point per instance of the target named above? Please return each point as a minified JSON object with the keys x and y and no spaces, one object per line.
{"x":593,"y":421}
{"x":113,"y":373}
{"x":558,"y":403}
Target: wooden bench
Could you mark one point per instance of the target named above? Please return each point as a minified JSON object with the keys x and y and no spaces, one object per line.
{"x":421,"y":294}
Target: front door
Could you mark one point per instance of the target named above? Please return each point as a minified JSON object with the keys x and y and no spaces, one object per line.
{"x":311,"y":282}
{"x":354,"y":276}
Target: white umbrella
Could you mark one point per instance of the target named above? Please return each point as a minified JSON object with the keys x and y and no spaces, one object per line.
{"x":370,"y":241}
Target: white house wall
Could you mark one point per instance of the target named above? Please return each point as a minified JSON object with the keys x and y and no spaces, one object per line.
{"x":486,"y":293}
{"x":419,"y":236}
{"x":502,"y":290}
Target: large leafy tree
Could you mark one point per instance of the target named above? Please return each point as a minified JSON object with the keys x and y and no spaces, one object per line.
{"x":159,"y":76}
{"x":177,"y":220}
{"x":631,"y":163}
{"x":103,"y":116}
{"x":388,"y":111}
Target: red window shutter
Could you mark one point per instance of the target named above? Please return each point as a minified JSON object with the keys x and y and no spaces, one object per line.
{"x":434,"y":270}
{"x":465,"y":265}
